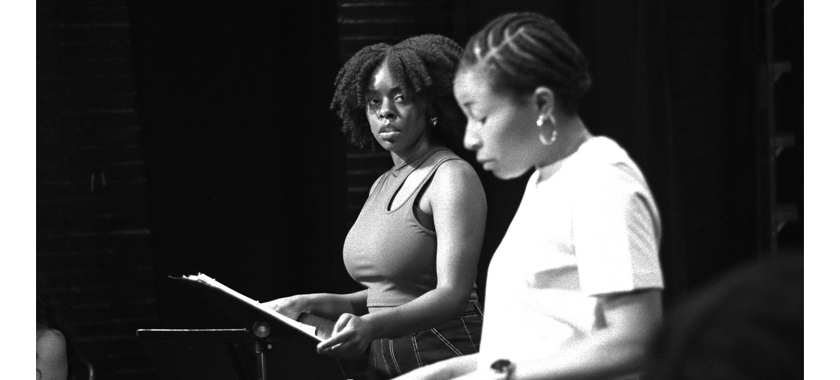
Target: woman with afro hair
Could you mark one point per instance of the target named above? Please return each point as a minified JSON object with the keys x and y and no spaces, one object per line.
{"x":416,"y":243}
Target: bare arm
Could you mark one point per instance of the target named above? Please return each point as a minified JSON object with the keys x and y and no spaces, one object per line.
{"x":333,"y":305}
{"x":444,"y":370}
{"x":459,"y":210}
{"x":612,"y":351}
{"x":51,"y":359}
{"x":326,"y":305}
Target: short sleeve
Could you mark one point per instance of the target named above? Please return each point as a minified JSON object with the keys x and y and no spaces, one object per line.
{"x":616,"y":233}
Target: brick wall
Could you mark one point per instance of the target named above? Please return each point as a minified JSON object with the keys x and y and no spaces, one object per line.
{"x":93,"y":253}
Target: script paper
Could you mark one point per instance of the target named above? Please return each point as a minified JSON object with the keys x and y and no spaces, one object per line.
{"x":307,"y":329}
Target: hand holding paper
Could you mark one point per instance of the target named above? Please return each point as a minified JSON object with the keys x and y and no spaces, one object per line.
{"x":291,"y":307}
{"x":350,"y":338}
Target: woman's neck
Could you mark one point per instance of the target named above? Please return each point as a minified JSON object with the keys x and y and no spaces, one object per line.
{"x":411,"y":153}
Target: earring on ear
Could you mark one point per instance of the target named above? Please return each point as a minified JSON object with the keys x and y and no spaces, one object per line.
{"x":540,"y":122}
{"x":434,"y":120}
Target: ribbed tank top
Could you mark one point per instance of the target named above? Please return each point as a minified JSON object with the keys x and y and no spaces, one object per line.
{"x":388,"y":250}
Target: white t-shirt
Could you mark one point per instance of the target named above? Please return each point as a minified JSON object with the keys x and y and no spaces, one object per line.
{"x":590,"y":228}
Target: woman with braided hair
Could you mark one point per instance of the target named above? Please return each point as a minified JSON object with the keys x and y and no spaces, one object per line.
{"x":574,"y":288}
{"x":416,"y":243}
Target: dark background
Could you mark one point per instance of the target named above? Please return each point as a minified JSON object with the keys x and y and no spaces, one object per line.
{"x":193,"y":136}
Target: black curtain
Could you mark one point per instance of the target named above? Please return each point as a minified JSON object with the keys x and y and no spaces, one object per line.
{"x":244,"y":159}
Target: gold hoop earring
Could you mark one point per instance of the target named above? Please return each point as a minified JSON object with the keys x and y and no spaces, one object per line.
{"x":540,"y":122}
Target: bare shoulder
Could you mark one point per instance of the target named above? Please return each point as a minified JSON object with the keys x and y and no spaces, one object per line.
{"x":51,"y":343}
{"x":458,"y":173}
{"x":457,"y":181}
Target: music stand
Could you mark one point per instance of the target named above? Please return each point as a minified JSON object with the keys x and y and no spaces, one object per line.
{"x":264,"y":346}
{"x":232,"y":354}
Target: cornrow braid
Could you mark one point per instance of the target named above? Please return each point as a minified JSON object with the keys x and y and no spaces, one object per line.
{"x":521,"y":51}
{"x":424,"y":66}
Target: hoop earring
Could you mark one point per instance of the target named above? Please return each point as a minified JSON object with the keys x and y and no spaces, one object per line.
{"x":540,"y":122}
